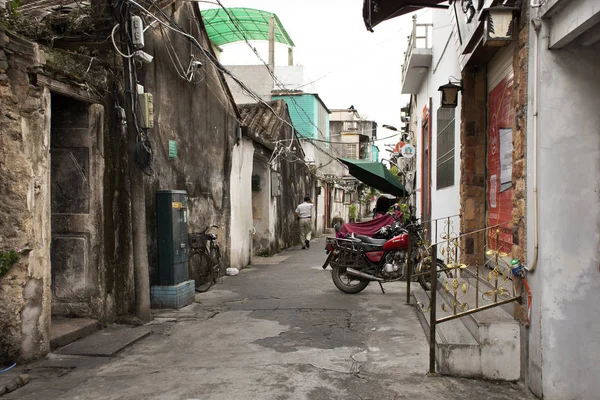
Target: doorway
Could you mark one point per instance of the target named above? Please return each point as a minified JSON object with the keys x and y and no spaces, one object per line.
{"x":76,"y":175}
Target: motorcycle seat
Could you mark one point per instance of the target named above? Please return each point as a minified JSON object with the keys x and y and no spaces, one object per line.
{"x":370,"y":240}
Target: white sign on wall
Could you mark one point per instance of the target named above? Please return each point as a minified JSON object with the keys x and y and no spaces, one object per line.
{"x":493,"y":191}
{"x":506,"y":150}
{"x":408,"y":150}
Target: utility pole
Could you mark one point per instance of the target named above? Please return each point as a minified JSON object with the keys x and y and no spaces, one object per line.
{"x":138,"y":229}
{"x":272,"y":43}
{"x":138,"y":199}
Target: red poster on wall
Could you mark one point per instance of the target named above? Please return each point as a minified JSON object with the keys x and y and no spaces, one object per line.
{"x":499,"y":165}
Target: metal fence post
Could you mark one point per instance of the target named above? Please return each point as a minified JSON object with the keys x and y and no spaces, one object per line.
{"x":432,"y":309}
{"x":409,"y":266}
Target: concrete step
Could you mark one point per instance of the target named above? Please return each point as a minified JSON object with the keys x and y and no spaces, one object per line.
{"x":484,"y":285}
{"x":496,"y":331}
{"x":457,"y":351}
{"x":67,"y":330}
{"x":107,"y":342}
{"x":493,"y":352}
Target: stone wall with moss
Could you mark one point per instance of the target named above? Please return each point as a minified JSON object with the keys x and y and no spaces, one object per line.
{"x":25,"y":206}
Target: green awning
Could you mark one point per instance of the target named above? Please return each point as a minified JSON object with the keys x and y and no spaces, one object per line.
{"x":375,"y":175}
{"x":238,"y":24}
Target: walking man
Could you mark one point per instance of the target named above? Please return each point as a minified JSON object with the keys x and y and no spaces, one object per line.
{"x":304,"y":215}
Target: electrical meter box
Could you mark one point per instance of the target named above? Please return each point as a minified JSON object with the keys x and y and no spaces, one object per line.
{"x":172,"y":236}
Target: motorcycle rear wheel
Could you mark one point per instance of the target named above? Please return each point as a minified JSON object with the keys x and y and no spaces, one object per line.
{"x":425,"y":280}
{"x":345,"y":283}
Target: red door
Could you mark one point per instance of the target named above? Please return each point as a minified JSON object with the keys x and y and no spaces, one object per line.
{"x":499,"y":165}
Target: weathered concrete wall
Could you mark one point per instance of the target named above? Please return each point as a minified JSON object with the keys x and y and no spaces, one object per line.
{"x":257,"y":77}
{"x":263,"y":236}
{"x":36,"y":80}
{"x":241,"y":207}
{"x":445,"y":201}
{"x":296,"y":182}
{"x":564,"y":328}
{"x":200,"y":118}
{"x":25,"y":203}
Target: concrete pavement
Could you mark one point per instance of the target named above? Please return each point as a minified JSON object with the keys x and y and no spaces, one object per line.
{"x":280,"y":330}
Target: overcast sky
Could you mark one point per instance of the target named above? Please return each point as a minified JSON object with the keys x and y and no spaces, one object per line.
{"x":353,"y":66}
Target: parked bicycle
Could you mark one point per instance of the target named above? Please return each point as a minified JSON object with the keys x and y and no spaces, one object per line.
{"x":204,"y":263}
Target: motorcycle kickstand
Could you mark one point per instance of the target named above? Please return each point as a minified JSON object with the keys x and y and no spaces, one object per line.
{"x":381,"y":286}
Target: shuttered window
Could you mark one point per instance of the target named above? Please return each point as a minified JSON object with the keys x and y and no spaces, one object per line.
{"x":445,"y":147}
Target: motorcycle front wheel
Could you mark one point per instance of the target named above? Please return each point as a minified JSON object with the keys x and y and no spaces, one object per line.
{"x":347,"y":284}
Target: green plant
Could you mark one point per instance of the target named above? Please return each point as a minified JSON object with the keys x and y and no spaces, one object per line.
{"x":13,"y":5}
{"x":352,"y":211}
{"x":264,"y":252}
{"x":8,"y":259}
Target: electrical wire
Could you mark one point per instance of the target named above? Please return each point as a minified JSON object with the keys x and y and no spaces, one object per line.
{"x":112,"y":36}
{"x":278,"y":82}
{"x":220,"y":67}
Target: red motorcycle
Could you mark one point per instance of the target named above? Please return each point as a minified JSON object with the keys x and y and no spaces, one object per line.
{"x":357,"y":260}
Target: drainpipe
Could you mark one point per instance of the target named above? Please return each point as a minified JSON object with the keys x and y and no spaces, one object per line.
{"x":537,"y":25}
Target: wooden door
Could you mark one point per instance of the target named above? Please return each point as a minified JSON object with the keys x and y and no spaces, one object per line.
{"x":77,"y":168}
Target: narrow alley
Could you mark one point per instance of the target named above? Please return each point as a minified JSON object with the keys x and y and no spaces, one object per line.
{"x":279,"y":330}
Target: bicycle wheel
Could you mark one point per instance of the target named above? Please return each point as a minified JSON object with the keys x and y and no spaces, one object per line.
{"x":200,"y":271}
{"x":215,"y":255}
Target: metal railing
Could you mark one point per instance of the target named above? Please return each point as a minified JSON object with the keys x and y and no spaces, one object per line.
{"x":458,"y":278}
{"x":419,"y":38}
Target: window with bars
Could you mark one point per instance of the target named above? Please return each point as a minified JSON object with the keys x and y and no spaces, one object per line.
{"x":350,"y":150}
{"x":445,"y":147}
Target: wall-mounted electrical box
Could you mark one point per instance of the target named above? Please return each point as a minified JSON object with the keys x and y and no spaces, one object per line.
{"x":146,"y":110}
{"x":137,"y":32}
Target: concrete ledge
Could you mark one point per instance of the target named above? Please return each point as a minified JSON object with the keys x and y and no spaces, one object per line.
{"x":457,"y":351}
{"x":67,"y":330}
{"x":107,"y":342}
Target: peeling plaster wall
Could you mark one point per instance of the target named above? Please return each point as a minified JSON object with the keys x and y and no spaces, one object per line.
{"x":565,"y":333}
{"x":241,"y":207}
{"x":200,"y":118}
{"x":25,"y":203}
{"x":261,"y":214}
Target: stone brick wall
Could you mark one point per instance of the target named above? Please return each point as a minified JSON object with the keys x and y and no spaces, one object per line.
{"x":519,"y":172}
{"x":25,"y":204}
{"x":472,"y":155}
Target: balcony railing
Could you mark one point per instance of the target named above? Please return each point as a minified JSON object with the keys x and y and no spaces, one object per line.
{"x":420,"y":38}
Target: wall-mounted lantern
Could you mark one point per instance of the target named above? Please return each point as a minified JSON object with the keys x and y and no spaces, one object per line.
{"x":450,"y":94}
{"x":498,"y":25}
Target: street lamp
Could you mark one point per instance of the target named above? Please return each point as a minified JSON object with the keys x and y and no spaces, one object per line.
{"x":450,"y":93}
{"x":498,"y":25}
{"x":390,"y":127}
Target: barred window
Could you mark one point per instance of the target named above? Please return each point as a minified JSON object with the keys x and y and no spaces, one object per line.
{"x":445,"y":147}
{"x":350,"y":150}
